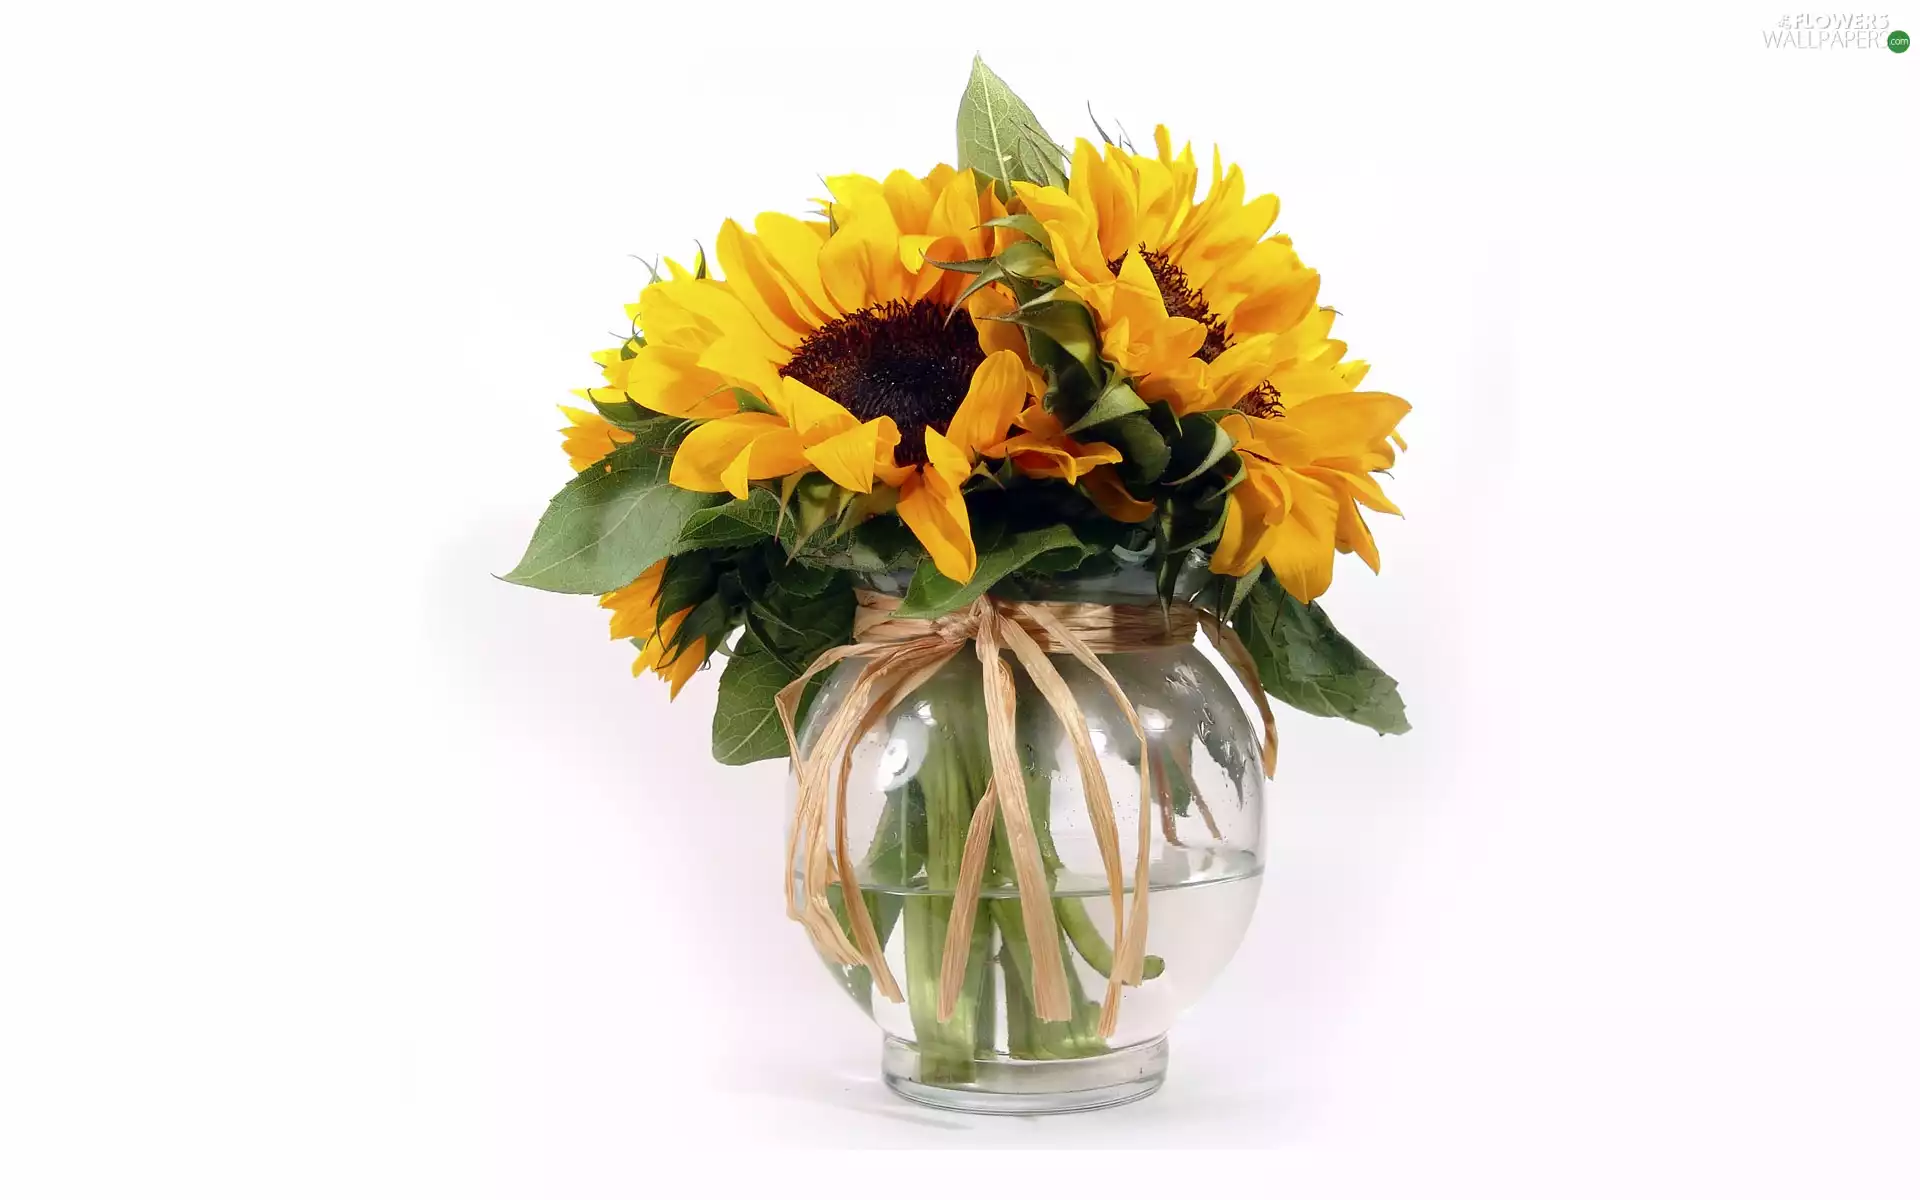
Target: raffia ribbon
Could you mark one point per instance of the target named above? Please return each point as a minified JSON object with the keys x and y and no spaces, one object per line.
{"x":902,"y":654}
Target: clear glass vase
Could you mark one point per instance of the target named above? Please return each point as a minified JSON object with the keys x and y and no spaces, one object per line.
{"x":915,"y":779}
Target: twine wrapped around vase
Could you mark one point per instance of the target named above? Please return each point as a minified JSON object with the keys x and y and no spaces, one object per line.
{"x":902,"y":654}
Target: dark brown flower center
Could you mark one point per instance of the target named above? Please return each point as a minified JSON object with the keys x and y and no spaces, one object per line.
{"x":905,"y":360}
{"x":1182,"y":299}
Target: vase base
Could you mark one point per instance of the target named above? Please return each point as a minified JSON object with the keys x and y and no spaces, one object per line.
{"x":1018,"y":1087}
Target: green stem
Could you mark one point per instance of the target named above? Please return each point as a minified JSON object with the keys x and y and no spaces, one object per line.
{"x":1078,"y":1036}
{"x":1087,"y":939}
{"x":946,"y":1047}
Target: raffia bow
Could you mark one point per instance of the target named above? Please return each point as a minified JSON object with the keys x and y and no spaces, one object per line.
{"x":902,"y":654}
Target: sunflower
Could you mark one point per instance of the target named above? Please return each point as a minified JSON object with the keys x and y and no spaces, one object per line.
{"x":835,"y":346}
{"x":1208,"y":313}
{"x":636,"y":615}
{"x":1193,"y":299}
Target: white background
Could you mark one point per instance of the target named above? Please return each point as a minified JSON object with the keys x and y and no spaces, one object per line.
{"x":333,"y":867}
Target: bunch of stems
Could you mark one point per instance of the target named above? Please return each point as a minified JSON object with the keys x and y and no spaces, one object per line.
{"x":913,"y":867}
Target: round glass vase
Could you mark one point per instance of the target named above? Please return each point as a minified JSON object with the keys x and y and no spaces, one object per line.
{"x":915,"y":778}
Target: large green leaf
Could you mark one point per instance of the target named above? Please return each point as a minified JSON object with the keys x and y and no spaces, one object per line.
{"x":1001,"y":139}
{"x":930,"y":593}
{"x":1305,"y":661}
{"x":616,"y":519}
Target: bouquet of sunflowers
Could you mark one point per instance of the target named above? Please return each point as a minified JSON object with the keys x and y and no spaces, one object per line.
{"x":941,"y":395}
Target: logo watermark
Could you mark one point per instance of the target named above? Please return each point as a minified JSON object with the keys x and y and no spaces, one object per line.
{"x":1836,"y":31}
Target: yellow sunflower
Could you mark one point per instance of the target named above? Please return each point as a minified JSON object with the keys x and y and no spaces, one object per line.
{"x":1207,"y":312}
{"x":1193,"y":299}
{"x":636,"y":614}
{"x":833,"y":346}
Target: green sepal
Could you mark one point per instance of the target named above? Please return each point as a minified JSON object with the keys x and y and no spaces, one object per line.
{"x":688,"y":579}
{"x":748,"y":402}
{"x":965,"y":266}
{"x":711,"y":620}
{"x":1235,"y":473}
{"x":986,"y":278}
{"x":1200,"y":444}
{"x":812,"y":503}
{"x":1142,"y":444}
{"x":1115,"y":402}
{"x":1029,"y":261}
{"x":1194,"y":526}
{"x":624,"y":413}
{"x":1059,"y":317}
{"x":1025,"y":223}
{"x":1237,"y":590}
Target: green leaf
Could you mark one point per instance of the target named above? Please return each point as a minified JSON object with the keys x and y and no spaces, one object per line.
{"x":735,"y":523}
{"x":1305,"y":661}
{"x":746,"y":728}
{"x":789,"y":627}
{"x":1001,"y":139}
{"x":930,"y":593}
{"x":872,"y":548}
{"x":612,"y":522}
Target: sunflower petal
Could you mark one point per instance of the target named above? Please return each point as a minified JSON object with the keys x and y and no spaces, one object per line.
{"x":814,"y":417}
{"x":635,"y":606}
{"x":983,"y":306}
{"x":849,"y":457}
{"x":590,"y":437}
{"x":725,"y":455}
{"x":754,"y":279}
{"x":937,"y":514}
{"x":1242,"y":537}
{"x":670,"y":380}
{"x":1352,"y":534}
{"x":1241,"y":368}
{"x":1345,"y":424}
{"x":1110,"y":496}
{"x":736,"y":361}
{"x":947,"y":460}
{"x":994,"y":397}
{"x":794,"y":246}
{"x":1300,"y":548}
